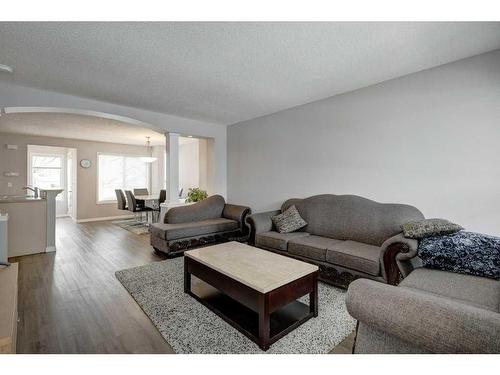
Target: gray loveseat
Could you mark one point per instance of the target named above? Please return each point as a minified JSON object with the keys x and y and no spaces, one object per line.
{"x":347,"y":236}
{"x":431,"y":311}
{"x":208,"y":221}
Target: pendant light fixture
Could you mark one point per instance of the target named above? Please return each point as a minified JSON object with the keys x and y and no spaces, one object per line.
{"x":149,"y":152}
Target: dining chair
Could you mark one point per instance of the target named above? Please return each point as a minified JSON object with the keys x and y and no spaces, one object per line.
{"x":120,"y":199}
{"x":141,"y":191}
{"x":163,"y":196}
{"x":134,"y":206}
{"x":161,"y":199}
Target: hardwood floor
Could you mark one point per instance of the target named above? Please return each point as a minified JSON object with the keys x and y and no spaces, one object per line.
{"x":346,"y":346}
{"x":71,"y":302}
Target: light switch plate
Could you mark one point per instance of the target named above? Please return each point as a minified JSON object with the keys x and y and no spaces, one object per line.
{"x":9,"y":184}
{"x":11,"y":174}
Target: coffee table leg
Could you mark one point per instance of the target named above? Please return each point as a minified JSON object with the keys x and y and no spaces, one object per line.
{"x":187,"y":277}
{"x":313,"y":297}
{"x":264,"y":322}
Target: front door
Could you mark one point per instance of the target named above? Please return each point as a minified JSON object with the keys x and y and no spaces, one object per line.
{"x":48,"y":171}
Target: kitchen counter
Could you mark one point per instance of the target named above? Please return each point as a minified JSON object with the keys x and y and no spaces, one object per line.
{"x":18,"y":199}
{"x":32,"y":222}
{"x":27,"y":225}
{"x":8,"y":309}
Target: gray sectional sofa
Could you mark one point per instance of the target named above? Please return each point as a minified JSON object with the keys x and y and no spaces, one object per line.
{"x":208,"y":221}
{"x":431,"y":311}
{"x":347,"y":236}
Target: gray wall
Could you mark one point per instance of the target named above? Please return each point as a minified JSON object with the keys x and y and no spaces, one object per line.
{"x":87,"y":208}
{"x":430,"y":139}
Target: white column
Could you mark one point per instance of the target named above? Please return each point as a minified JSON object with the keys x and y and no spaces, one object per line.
{"x":172,"y":172}
{"x":4,"y":254}
{"x":211,"y":188}
{"x":50,"y":196}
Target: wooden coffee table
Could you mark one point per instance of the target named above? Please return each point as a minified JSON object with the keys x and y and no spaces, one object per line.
{"x":258,"y":289}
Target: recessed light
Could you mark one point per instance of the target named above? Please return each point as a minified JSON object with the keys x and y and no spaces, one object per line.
{"x":6,"y":69}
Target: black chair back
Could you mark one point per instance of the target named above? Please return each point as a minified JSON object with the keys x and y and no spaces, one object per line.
{"x":163,"y":196}
{"x":120,"y":199}
{"x":132,"y":203}
{"x":142,"y":191}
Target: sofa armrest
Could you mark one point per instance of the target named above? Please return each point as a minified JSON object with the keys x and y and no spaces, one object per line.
{"x":395,"y":257}
{"x":260,"y":222}
{"x":208,"y":208}
{"x":237,"y":213}
{"x":434,"y":323}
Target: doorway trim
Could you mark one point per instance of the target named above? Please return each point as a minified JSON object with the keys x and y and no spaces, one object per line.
{"x":33,"y":149}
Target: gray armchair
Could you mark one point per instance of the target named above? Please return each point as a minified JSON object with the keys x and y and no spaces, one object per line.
{"x":208,"y":221}
{"x":431,"y":311}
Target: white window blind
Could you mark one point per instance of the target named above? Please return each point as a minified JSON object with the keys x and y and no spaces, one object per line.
{"x":120,"y":172}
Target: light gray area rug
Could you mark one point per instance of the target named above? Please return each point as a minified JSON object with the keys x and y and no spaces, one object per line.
{"x":190,"y":327}
{"x":132,"y":225}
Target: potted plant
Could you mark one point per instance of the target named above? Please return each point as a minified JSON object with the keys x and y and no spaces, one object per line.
{"x":196,"y":195}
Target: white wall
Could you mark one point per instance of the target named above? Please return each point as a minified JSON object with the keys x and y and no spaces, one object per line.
{"x":19,"y":96}
{"x":430,"y":139}
{"x":203,"y":165}
{"x":194,"y":168}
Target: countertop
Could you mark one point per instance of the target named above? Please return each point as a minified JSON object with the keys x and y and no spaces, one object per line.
{"x":19,"y":199}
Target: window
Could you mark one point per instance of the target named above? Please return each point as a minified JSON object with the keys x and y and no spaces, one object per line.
{"x":47,"y":172}
{"x":120,"y":172}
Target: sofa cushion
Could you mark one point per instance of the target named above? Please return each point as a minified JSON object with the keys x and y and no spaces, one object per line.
{"x":473,"y":290}
{"x":275,"y":240}
{"x":355,"y":255}
{"x":192,"y":229}
{"x":313,"y":247}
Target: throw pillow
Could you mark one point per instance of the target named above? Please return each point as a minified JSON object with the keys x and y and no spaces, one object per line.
{"x":289,"y":221}
{"x":429,"y":227}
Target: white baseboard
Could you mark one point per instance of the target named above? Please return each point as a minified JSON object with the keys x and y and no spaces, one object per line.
{"x":105,"y":218}
{"x":50,"y":249}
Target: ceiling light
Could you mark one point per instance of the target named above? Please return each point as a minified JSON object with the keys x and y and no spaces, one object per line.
{"x":6,"y":69}
{"x":149,"y":150}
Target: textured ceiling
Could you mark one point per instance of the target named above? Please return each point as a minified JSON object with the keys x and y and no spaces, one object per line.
{"x":228,"y":72}
{"x":78,"y":127}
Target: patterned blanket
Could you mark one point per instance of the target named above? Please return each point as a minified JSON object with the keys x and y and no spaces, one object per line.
{"x":462,"y":252}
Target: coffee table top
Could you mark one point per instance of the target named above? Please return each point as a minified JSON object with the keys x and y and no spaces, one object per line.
{"x":259,"y":269}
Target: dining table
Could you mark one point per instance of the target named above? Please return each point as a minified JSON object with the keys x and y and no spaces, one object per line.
{"x":151,"y":201}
